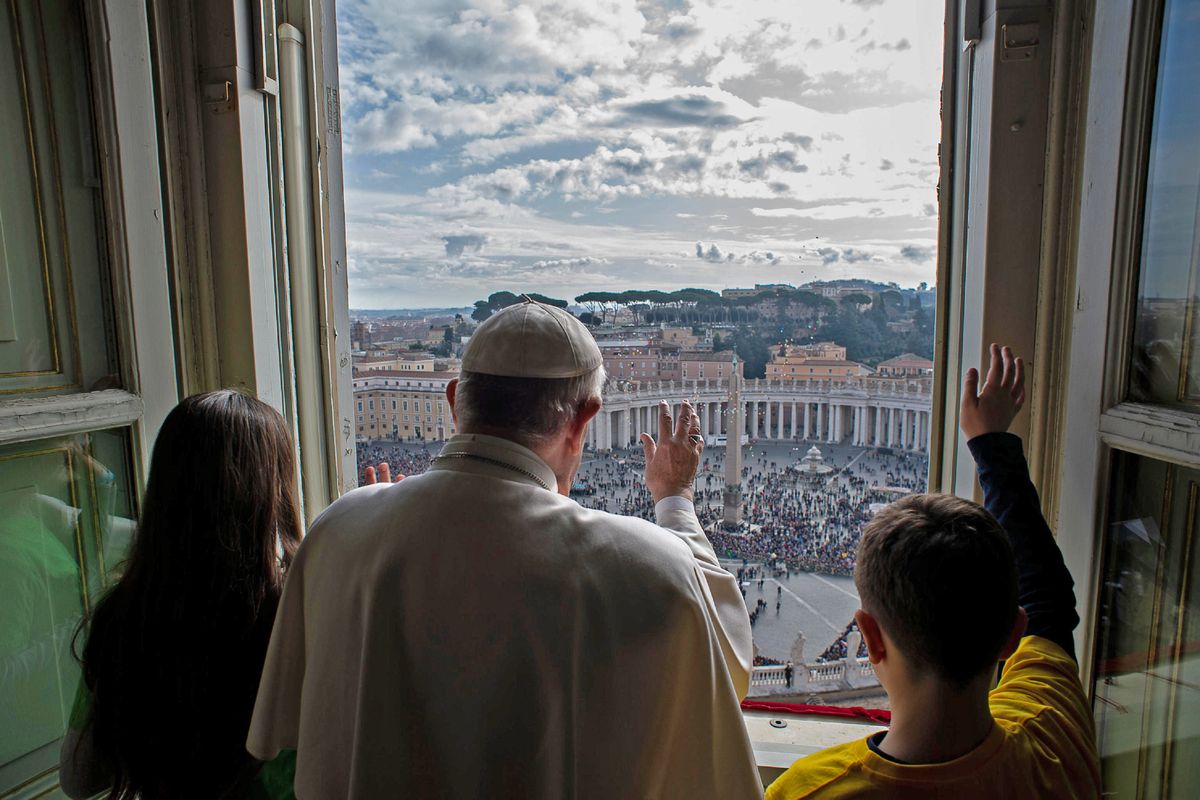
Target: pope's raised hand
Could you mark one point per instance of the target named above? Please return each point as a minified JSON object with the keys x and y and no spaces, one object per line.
{"x":672,"y":460}
{"x":382,"y":475}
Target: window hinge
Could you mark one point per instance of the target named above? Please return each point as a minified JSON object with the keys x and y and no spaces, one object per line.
{"x":1020,"y":42}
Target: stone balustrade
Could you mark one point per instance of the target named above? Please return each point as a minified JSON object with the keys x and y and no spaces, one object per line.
{"x":848,"y":673}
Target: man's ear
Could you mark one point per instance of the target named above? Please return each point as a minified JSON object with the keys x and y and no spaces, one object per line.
{"x":872,"y":634}
{"x":578,"y":425}
{"x":1014,"y":636}
{"x":451,"y":393}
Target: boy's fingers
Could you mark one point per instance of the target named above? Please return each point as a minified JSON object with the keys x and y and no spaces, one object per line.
{"x":385,"y":472}
{"x":1020,"y":401}
{"x":1018,"y":387}
{"x":664,"y":421}
{"x":369,"y":477}
{"x":995,"y":367}
{"x":971,"y":386}
{"x":1006,"y":378}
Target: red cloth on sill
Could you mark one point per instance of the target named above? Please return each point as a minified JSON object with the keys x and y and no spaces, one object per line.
{"x":877,"y":715}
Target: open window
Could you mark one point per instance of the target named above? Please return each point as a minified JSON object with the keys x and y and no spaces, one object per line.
{"x":740,"y":200}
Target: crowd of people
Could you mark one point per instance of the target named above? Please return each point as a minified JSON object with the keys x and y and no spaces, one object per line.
{"x":402,"y":459}
{"x":804,"y":522}
{"x":839,"y":649}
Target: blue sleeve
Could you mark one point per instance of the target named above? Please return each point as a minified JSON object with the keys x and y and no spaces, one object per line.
{"x":1045,"y":588}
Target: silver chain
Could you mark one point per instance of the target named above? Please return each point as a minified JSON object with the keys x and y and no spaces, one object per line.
{"x":498,"y":463}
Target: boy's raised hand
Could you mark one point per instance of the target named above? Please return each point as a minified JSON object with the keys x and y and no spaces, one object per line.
{"x":992,"y":408}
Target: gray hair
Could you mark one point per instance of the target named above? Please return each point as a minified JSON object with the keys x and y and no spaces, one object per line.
{"x":531,"y":410}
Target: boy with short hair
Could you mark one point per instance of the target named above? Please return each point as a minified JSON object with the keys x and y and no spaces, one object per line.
{"x":948,"y":590}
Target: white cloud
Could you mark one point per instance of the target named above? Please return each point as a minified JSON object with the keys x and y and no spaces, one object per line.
{"x":744,"y":111}
{"x":582,"y":261}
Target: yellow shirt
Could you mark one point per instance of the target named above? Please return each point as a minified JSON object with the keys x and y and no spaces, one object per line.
{"x":1043,"y":745}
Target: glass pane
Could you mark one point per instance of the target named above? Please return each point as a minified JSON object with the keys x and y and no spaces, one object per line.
{"x":66,"y":514}
{"x":55,"y":325}
{"x":1147,"y":676}
{"x":1165,"y":368}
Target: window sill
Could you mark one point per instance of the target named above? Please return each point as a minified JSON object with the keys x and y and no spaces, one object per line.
{"x":776,"y":749}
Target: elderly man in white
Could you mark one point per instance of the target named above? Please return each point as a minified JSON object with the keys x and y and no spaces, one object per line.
{"x":473,"y":632}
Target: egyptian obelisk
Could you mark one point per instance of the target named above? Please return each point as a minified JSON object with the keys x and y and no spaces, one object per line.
{"x":735,"y":424}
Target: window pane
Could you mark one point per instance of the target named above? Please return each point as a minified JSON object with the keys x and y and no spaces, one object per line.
{"x":1166,"y":337}
{"x":55,"y":325}
{"x":1147,"y":676}
{"x":66,"y":515}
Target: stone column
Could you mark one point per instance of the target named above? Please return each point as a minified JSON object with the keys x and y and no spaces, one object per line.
{"x":891,"y":426}
{"x":766,"y":433}
{"x":904,"y":428}
{"x":795,"y":420}
{"x":779,"y":424}
{"x":806,"y":431}
{"x":878,"y":425}
{"x":820,"y":432}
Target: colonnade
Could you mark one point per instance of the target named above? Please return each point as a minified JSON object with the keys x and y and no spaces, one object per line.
{"x":848,"y":415}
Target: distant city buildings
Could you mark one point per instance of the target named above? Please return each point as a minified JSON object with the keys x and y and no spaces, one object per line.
{"x":402,"y":366}
{"x":395,"y":404}
{"x":699,"y":366}
{"x":419,"y":361}
{"x":820,"y":361}
{"x":905,"y":366}
{"x":640,"y":359}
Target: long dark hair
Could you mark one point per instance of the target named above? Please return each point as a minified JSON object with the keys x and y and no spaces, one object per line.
{"x":176,"y":649}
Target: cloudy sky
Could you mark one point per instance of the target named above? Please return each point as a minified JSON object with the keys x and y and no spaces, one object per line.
{"x":564,"y":146}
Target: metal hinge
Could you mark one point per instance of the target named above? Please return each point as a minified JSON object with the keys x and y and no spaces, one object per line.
{"x":1019,"y":42}
{"x":218,"y":97}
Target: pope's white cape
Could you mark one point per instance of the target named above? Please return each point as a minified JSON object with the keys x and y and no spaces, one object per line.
{"x":466,"y":633}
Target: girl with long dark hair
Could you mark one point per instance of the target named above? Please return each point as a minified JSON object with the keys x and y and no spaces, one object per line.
{"x":175,"y":650}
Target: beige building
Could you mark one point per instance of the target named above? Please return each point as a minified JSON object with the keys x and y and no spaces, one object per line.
{"x":908,"y":365}
{"x":821,"y":361}
{"x":684,"y":338}
{"x":407,"y":361}
{"x":788,"y":368}
{"x":401,"y":362}
{"x":827,"y":350}
{"x":396,"y":404}
{"x":641,"y":360}
{"x":705,"y":365}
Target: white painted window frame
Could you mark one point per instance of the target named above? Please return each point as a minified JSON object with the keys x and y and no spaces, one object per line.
{"x":123,"y":96}
{"x":1102,"y":422}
